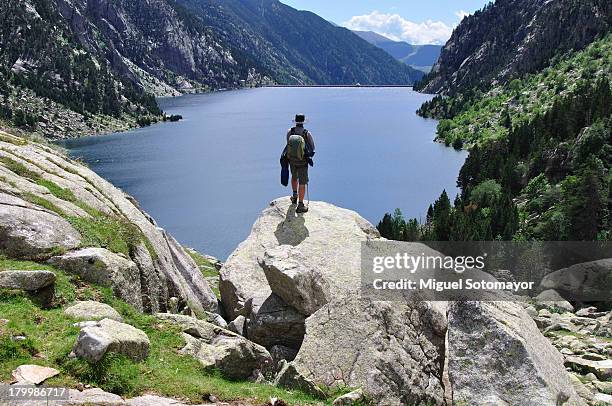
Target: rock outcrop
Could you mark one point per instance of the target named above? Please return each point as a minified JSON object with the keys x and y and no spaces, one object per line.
{"x":109,"y":335}
{"x":297,"y":278}
{"x":43,"y":195}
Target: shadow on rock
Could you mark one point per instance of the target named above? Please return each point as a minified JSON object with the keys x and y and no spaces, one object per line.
{"x":292,"y":230}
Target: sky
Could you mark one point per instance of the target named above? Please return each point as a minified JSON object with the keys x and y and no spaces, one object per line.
{"x":416,"y":22}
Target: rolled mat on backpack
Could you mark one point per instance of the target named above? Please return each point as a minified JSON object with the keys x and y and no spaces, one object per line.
{"x":284,"y":162}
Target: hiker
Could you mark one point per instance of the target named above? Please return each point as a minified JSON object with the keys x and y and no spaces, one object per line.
{"x":299,"y":152}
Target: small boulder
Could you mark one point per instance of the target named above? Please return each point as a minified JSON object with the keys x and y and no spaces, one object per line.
{"x":294,"y":279}
{"x":237,"y":325}
{"x":111,"y":336}
{"x":26,"y":280}
{"x":33,"y":374}
{"x":217,"y":348}
{"x":90,"y":310}
{"x":552,"y":299}
{"x":602,"y":369}
{"x":101,"y":266}
{"x":291,"y":378}
{"x":352,"y":398}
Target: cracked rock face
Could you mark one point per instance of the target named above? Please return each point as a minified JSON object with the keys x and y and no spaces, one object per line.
{"x":389,"y":349}
{"x":496,"y":355}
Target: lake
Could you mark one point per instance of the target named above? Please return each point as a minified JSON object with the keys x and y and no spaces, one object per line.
{"x":206,"y":178}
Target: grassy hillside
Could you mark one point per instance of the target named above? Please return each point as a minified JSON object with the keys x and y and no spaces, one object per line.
{"x":50,"y":336}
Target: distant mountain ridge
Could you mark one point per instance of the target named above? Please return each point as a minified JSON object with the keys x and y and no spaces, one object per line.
{"x":299,"y":47}
{"x":417,"y":56}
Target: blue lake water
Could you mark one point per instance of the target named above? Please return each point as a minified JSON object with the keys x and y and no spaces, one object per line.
{"x":206,"y":178}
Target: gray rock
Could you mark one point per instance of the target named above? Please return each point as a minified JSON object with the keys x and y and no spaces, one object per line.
{"x":26,"y":280}
{"x":31,"y":232}
{"x":33,"y":374}
{"x":111,"y":336}
{"x":496,"y":355}
{"x":290,"y":377}
{"x":292,"y":277}
{"x":280,"y":353}
{"x":90,"y":310}
{"x":590,"y":312}
{"x":391,"y":350}
{"x":602,"y":369}
{"x":329,"y":236}
{"x":101,"y":266}
{"x":215,"y":318}
{"x":352,"y":398}
{"x":217,"y":348}
{"x":587,"y":281}
{"x":237,"y":325}
{"x":531,"y":311}
{"x":602,"y":399}
{"x":552,"y":299}
{"x":273,"y":322}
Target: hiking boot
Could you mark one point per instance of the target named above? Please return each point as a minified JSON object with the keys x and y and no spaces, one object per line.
{"x":301,"y":208}
{"x":294,"y":199}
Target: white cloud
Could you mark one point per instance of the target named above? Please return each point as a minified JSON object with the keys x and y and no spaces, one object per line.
{"x":461,"y":14}
{"x":398,"y":28}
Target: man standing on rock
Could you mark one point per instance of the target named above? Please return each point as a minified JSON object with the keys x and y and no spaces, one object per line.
{"x":299,"y":152}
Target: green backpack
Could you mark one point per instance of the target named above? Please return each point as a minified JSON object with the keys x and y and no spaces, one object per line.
{"x":296,"y":146}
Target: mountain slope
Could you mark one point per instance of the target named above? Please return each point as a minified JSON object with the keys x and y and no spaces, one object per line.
{"x":509,"y":38}
{"x":299,"y":46}
{"x":417,"y":56}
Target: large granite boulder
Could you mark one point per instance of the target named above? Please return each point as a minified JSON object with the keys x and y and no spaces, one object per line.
{"x":392,"y":350}
{"x":219,"y":349}
{"x":497,"y":356}
{"x":28,"y":230}
{"x":94,"y":341}
{"x":32,"y":232}
{"x":583,"y":282}
{"x":292,"y":278}
{"x":105,"y":268}
{"x":329,"y":236}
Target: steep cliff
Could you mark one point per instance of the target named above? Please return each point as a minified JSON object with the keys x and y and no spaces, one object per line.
{"x":509,"y":38}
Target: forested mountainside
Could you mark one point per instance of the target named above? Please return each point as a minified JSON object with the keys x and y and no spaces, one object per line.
{"x":299,"y":46}
{"x":509,"y":38}
{"x":77,"y":67}
{"x":540,"y":143}
{"x":421,"y":57}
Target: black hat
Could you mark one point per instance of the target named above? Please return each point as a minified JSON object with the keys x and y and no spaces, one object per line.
{"x":300,"y":118}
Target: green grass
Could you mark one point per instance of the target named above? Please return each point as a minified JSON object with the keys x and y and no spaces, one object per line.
{"x":113,"y":233}
{"x":50,"y":336}
{"x":207,"y":269}
{"x":18,"y":168}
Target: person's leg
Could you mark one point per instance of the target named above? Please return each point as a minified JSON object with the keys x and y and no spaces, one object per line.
{"x":302,"y":193}
{"x":294,"y":184}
